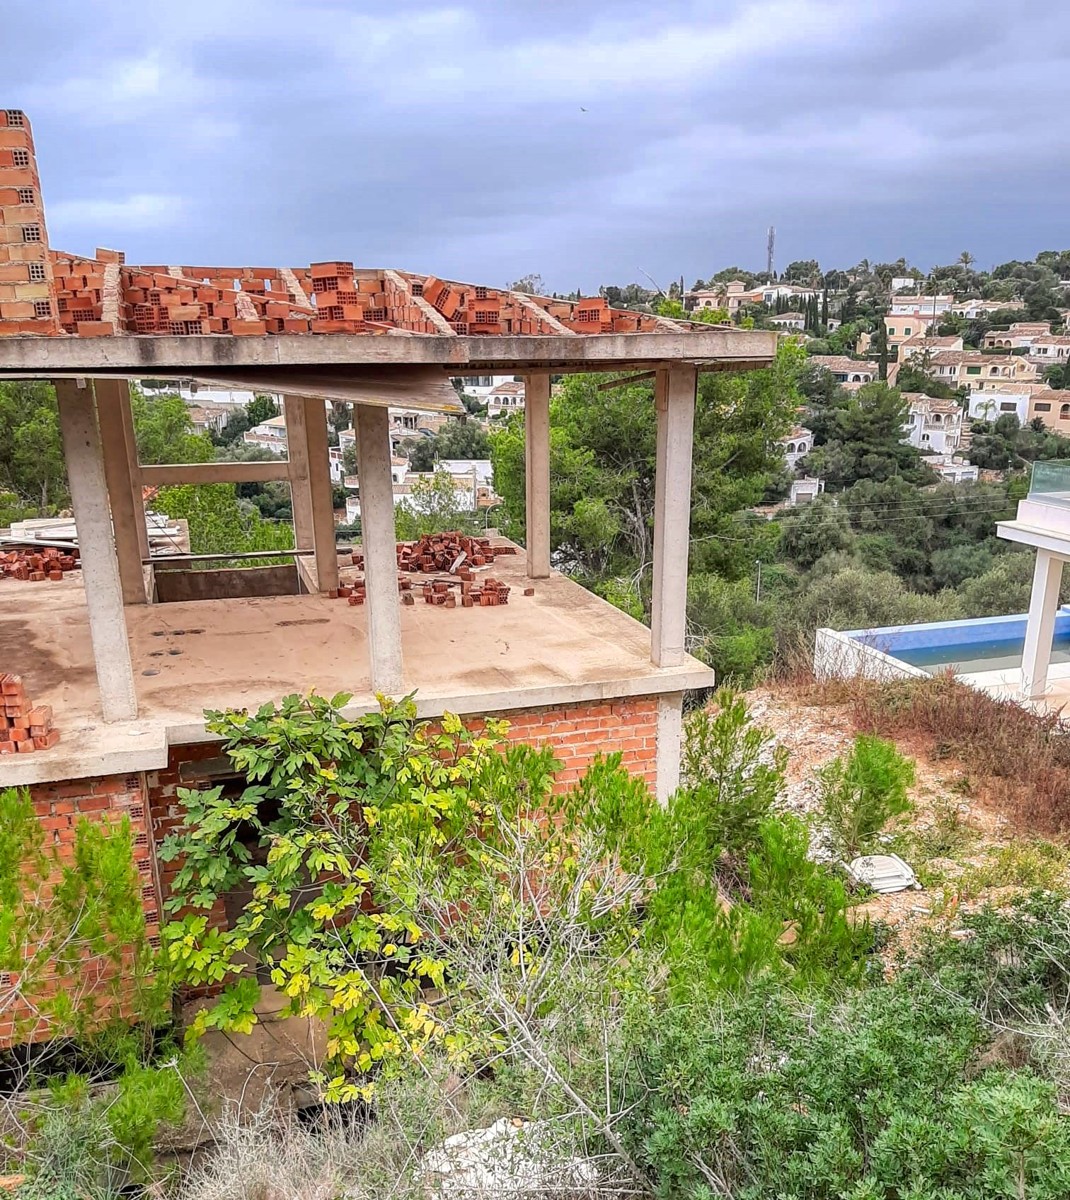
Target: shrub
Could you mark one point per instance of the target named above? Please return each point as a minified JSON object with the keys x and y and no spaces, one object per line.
{"x":860,"y":793}
{"x":79,"y":920}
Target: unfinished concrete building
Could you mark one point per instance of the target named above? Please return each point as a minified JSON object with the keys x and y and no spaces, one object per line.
{"x":128,"y":660}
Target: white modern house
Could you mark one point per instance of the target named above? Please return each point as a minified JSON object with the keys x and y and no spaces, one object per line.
{"x":1043,"y":522}
{"x":990,"y":406}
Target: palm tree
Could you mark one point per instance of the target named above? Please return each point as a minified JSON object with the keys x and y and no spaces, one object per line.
{"x":966,"y":259}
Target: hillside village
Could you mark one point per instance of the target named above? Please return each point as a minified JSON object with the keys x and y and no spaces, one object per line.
{"x":723,"y":850}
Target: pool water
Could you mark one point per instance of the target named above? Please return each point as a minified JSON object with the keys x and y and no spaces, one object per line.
{"x":970,"y":657}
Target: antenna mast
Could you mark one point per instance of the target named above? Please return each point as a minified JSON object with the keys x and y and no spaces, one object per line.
{"x":769,"y":247}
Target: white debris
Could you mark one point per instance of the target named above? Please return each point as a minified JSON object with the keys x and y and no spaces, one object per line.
{"x":882,"y":872}
{"x":512,"y":1159}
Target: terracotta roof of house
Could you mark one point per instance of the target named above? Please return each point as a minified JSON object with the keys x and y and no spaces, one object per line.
{"x":840,"y":363}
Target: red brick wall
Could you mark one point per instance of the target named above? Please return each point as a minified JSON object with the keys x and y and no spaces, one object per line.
{"x":579,"y":732}
{"x":58,"y":806}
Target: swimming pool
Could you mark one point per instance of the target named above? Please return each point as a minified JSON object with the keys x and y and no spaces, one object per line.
{"x":971,"y":647}
{"x":1002,"y":655}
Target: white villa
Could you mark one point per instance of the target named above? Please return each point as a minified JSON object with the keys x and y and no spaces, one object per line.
{"x":796,"y":446}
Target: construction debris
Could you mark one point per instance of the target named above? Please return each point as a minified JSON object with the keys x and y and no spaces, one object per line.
{"x":35,"y":565}
{"x":24,"y":726}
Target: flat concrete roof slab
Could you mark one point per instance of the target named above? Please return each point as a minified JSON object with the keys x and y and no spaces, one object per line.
{"x":562,"y":645}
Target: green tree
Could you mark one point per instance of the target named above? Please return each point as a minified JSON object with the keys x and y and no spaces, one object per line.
{"x":602,"y":445}
{"x":32,"y":467}
{"x":260,"y":409}
{"x":164,"y":431}
{"x":220,"y":524}
{"x":802,"y":271}
{"x":862,"y":435}
{"x":433,"y":505}
{"x":457,"y":439}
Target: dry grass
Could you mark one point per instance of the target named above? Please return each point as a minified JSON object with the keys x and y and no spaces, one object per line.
{"x":1019,"y":760}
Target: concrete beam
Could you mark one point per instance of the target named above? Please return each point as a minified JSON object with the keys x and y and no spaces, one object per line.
{"x":111,"y":395}
{"x":174,"y":355}
{"x":320,"y":489}
{"x":379,"y":544}
{"x":1040,"y":624}
{"x":100,"y":567}
{"x":297,"y":455}
{"x":537,"y":473}
{"x":168,"y":474}
{"x":674,"y":402}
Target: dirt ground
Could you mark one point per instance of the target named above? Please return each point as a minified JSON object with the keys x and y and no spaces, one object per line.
{"x":985,"y":867}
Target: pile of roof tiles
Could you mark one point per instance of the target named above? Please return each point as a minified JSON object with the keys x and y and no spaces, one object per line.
{"x":36,"y":565}
{"x":24,"y":726}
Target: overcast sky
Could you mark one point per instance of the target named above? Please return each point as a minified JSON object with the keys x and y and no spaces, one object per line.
{"x":584,"y":141}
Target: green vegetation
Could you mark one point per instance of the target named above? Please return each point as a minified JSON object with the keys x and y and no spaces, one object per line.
{"x":679,"y":992}
{"x":78,"y":968}
{"x":858,"y":794}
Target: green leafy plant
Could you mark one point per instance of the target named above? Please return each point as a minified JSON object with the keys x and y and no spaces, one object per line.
{"x":324,"y":837}
{"x":861,"y":792}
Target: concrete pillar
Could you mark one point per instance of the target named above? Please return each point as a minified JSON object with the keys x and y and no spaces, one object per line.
{"x":110,"y":395}
{"x":1040,"y":626}
{"x":319,"y":482}
{"x":297,"y":454}
{"x":127,"y":416}
{"x":372,"y":425}
{"x":100,"y":567}
{"x":670,"y":744}
{"x":674,"y":401}
{"x":537,"y":473}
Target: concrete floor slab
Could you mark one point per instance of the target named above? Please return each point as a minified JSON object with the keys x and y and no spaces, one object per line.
{"x":561,"y":645}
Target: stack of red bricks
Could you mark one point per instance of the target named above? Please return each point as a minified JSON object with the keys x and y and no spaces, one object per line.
{"x":24,"y":726}
{"x":35,"y":565}
{"x":445,"y":552}
{"x":486,"y":593}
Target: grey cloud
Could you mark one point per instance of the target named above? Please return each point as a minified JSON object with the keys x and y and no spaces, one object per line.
{"x":449,"y":136}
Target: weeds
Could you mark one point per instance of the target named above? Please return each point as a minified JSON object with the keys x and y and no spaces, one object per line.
{"x":1032,"y":865}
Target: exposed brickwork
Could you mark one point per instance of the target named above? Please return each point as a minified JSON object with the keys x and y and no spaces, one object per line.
{"x":58,"y":807}
{"x":45,"y":292}
{"x":577,"y":733}
{"x":27,"y":290}
{"x":580,"y":732}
